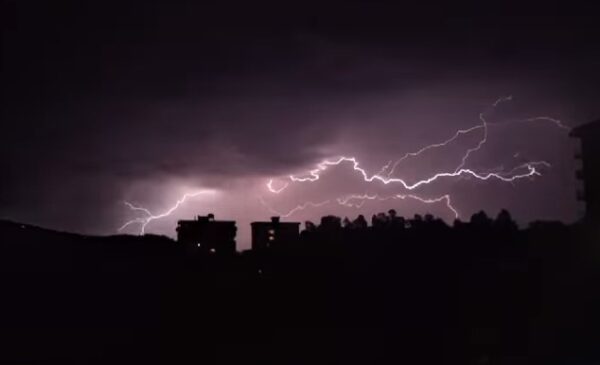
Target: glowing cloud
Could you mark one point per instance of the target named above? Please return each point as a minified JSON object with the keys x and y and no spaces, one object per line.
{"x":385,"y":175}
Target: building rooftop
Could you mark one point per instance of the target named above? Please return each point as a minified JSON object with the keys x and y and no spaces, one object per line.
{"x":207,"y":218}
{"x":274,"y":220}
{"x":591,"y":127}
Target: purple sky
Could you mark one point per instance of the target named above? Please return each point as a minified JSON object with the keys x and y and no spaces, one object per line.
{"x":143,"y":102}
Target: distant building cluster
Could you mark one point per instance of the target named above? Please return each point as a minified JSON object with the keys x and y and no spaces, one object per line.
{"x":211,"y":236}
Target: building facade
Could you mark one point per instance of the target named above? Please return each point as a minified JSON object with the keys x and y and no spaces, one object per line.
{"x":274,"y":233}
{"x":208,"y":235}
{"x":589,"y":134}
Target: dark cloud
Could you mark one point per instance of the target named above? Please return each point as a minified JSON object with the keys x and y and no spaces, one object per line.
{"x":98,"y":99}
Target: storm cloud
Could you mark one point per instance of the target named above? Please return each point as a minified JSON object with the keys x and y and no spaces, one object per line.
{"x":135,"y":101}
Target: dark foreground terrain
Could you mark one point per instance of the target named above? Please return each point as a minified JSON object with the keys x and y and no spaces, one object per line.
{"x":475,"y":293}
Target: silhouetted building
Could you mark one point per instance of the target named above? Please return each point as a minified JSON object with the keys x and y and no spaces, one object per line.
{"x":208,"y":235}
{"x":274,"y":233}
{"x":589,"y":134}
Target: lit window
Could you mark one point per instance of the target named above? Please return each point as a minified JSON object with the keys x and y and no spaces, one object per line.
{"x":271,"y":238}
{"x":212,"y":250}
{"x":199,"y":244}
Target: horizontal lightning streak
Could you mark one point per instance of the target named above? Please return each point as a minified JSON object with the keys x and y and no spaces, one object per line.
{"x":362,"y":198}
{"x":558,"y":123}
{"x":293,"y":210}
{"x":346,"y":201}
{"x":315,"y":174}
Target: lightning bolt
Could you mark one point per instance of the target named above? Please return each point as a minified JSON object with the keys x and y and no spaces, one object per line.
{"x":315,"y":174}
{"x":432,"y":146}
{"x":293,"y":210}
{"x":557,"y":122}
{"x":274,"y":190}
{"x":482,"y":141}
{"x":526,"y":170}
{"x":458,"y":133}
{"x":149,"y":217}
{"x":346,"y":201}
{"x":484,"y":125}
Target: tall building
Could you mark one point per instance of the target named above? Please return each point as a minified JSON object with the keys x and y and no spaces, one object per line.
{"x":274,"y":233}
{"x":589,"y":134}
{"x":208,"y":235}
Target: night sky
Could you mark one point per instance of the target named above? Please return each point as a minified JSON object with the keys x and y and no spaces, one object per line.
{"x":143,"y":102}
